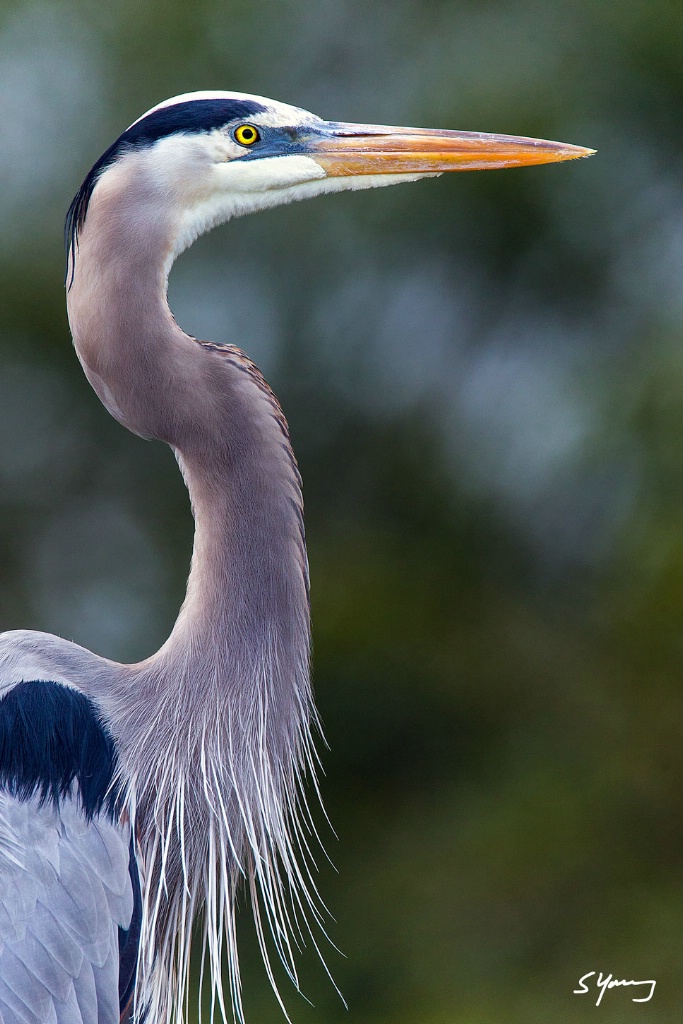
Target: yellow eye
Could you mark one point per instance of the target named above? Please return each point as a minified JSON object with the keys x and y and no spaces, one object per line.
{"x":247,"y":135}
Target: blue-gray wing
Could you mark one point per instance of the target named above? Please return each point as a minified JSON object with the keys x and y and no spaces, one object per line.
{"x":66,"y":884}
{"x":65,"y":891}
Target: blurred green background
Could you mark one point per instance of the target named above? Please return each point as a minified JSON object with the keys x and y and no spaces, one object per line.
{"x":484,"y":381}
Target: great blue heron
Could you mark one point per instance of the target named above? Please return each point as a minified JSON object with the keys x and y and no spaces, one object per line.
{"x":135,"y":799}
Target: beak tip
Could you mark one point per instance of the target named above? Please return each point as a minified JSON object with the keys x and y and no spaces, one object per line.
{"x":565,"y":152}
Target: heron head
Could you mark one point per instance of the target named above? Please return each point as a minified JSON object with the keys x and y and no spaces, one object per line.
{"x":200,"y":158}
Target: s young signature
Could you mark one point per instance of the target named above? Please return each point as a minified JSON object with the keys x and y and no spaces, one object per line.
{"x":605,"y":981}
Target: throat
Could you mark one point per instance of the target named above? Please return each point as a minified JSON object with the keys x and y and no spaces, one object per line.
{"x":242,"y":635}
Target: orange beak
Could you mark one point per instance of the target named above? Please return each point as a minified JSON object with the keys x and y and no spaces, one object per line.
{"x":350,"y":149}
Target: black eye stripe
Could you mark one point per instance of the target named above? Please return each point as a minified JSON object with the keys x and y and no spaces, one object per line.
{"x":190,"y":116}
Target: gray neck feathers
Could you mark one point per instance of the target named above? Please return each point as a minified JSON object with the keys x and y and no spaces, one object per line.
{"x":214,"y":729}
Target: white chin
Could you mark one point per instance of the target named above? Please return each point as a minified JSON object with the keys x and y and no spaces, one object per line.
{"x":279,"y":195}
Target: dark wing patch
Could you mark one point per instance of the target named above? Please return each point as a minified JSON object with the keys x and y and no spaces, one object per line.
{"x":51,"y":738}
{"x":191,"y":116}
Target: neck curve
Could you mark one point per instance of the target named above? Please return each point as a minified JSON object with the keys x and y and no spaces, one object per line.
{"x":248,"y":578}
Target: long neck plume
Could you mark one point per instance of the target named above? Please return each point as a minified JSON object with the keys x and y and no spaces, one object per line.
{"x":214,"y":729}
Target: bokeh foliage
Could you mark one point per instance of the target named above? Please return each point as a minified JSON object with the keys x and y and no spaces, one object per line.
{"x":484,"y":381}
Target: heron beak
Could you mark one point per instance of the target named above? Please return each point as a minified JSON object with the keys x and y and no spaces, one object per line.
{"x":350,"y":149}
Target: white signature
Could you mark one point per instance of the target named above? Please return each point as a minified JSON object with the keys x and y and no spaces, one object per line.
{"x":607,"y":981}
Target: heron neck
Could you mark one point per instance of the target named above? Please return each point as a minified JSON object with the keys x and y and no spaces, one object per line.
{"x":244,"y":622}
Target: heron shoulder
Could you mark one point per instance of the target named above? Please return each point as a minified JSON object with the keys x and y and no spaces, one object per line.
{"x":27,"y":654}
{"x":54,"y":739}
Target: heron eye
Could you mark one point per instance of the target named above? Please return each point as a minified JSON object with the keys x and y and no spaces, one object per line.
{"x":246,"y":135}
